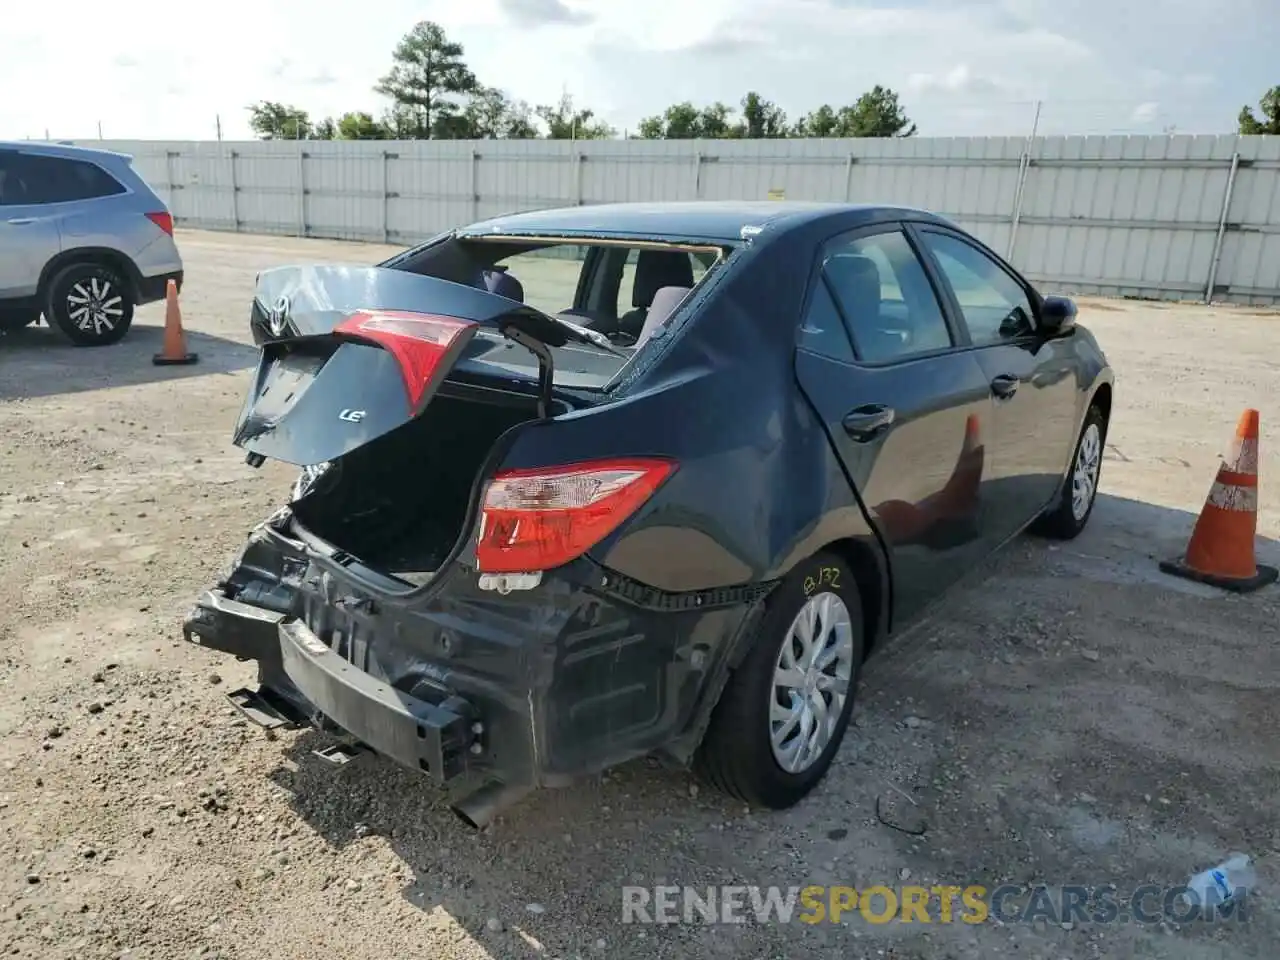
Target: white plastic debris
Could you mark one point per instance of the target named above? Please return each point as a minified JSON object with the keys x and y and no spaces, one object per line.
{"x":1223,"y":883}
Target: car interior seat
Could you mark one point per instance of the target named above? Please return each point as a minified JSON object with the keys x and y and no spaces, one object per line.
{"x":664,"y":304}
{"x":655,"y":269}
{"x":504,"y":285}
{"x":856,"y":280}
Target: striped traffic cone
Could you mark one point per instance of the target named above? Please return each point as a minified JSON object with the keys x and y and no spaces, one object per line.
{"x":1221,"y":550}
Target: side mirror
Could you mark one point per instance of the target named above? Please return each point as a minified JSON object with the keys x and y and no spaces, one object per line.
{"x":1057,"y":314}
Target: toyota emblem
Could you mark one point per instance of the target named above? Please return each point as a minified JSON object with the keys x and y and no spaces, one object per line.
{"x":278,"y":316}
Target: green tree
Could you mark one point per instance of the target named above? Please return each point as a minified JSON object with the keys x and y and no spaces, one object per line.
{"x":877,"y":113}
{"x":358,"y":125}
{"x":278,"y":121}
{"x":519,"y":122}
{"x":1250,"y":125}
{"x":684,"y":121}
{"x":426,"y":76}
{"x":761,"y":118}
{"x":714,"y":121}
{"x":326,"y":129}
{"x":564,"y":122}
{"x":823,"y":122}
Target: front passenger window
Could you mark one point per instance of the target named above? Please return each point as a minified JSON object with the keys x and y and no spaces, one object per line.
{"x":995,"y":306}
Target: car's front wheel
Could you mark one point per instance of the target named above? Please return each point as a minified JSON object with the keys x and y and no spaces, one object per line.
{"x":91,"y":304}
{"x":785,"y":709}
{"x":1068,"y":516}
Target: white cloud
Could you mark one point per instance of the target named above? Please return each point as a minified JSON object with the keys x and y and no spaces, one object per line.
{"x":1145,"y":112}
{"x":960,"y":79}
{"x":1095,"y":64}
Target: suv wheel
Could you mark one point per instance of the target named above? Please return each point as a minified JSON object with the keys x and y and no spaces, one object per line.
{"x":91,"y":303}
{"x":785,"y":709}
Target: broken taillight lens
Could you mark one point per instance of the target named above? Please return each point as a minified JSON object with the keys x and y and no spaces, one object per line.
{"x":418,"y":341}
{"x":534,"y":520}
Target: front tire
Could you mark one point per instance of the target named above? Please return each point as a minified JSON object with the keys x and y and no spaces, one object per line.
{"x":91,"y":304}
{"x":785,"y":709}
{"x":1067,"y":518}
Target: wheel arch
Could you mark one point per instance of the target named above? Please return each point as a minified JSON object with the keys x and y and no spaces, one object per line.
{"x":1101,"y":398}
{"x":78,"y":255}
{"x":870,"y":570}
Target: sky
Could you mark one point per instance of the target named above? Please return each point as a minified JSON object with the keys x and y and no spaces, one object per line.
{"x":166,"y":71}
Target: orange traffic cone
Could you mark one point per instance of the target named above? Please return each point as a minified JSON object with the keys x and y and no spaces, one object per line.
{"x":1221,"y":551}
{"x":174,"y":351}
{"x":960,"y":495}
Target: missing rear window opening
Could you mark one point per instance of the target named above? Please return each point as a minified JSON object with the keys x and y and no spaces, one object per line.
{"x":622,"y":288}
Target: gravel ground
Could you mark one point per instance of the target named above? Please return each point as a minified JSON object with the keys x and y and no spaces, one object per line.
{"x":1067,"y":716}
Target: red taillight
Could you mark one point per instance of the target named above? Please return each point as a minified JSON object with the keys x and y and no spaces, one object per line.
{"x":418,"y":341}
{"x":163,"y":220}
{"x":539,"y":519}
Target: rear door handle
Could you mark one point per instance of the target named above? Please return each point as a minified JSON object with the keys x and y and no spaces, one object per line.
{"x":1004,"y":386}
{"x":868,"y":421}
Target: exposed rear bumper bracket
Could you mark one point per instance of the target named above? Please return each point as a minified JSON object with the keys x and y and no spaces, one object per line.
{"x":429,"y":737}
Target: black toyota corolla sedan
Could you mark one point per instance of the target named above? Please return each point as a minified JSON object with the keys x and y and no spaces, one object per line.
{"x":581,"y":485}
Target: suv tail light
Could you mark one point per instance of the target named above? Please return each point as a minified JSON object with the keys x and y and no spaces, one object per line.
{"x":534,"y":520}
{"x":418,"y":341}
{"x":163,"y":220}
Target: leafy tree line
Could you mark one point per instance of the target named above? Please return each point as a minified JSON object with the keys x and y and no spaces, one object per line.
{"x":435,"y":96}
{"x":1270,"y":109}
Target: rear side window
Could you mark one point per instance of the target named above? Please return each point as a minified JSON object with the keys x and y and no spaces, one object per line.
{"x":823,"y":331}
{"x":59,"y":180}
{"x":885,"y":296}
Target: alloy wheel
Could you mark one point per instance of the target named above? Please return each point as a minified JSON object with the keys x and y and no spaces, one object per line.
{"x":94,"y":305}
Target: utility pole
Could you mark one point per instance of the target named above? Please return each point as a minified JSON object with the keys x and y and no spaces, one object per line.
{"x":99,"y":129}
{"x":217,"y":120}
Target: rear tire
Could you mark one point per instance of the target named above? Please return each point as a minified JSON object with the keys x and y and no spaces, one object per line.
{"x":1067,"y":518}
{"x":748,"y":746}
{"x":91,"y":303}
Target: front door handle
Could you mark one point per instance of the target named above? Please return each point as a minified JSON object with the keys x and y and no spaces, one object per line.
{"x":868,"y":421}
{"x":1004,"y":386}
{"x":22,"y":221}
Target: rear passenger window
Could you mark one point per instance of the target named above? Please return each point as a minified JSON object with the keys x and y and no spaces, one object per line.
{"x":883,"y":292}
{"x":823,"y":331}
{"x":59,"y":180}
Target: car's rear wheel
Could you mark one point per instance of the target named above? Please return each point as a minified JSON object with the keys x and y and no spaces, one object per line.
{"x":17,"y":318}
{"x":784,"y":711}
{"x":91,"y":304}
{"x":1067,"y":518}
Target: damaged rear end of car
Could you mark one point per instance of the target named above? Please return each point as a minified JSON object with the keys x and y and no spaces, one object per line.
{"x":431,"y":591}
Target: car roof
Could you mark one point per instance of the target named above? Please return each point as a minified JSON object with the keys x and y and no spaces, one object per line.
{"x":702,"y":220}
{"x":67,"y":149}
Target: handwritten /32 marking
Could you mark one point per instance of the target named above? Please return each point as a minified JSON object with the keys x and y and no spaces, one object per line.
{"x":826,"y":576}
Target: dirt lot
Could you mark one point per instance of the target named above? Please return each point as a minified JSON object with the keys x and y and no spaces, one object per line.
{"x":1068,"y":716}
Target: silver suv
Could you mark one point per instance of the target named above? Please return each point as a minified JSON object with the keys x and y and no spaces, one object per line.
{"x":83,"y":240}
